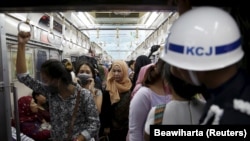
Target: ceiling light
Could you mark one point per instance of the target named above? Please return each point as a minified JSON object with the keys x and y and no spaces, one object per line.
{"x":151,"y":19}
{"x":83,"y":19}
{"x":123,"y":13}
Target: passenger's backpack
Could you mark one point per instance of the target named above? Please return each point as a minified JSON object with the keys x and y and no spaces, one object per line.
{"x":159,"y":112}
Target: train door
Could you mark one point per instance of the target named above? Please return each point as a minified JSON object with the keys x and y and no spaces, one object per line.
{"x":54,"y":54}
{"x":41,"y":56}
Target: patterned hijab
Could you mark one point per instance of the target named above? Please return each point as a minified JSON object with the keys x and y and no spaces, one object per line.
{"x":114,"y":87}
{"x":25,"y":113}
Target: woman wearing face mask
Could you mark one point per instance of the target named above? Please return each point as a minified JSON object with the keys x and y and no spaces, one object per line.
{"x":86,"y":75}
{"x":73,"y":113}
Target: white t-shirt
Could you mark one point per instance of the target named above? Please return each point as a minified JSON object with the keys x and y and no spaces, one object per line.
{"x":178,"y":113}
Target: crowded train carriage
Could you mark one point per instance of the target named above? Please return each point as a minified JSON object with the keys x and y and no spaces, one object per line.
{"x":94,"y":74}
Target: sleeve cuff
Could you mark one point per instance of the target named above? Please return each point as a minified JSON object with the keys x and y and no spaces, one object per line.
{"x":20,"y":75}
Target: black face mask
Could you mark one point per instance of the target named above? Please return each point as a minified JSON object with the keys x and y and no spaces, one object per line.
{"x":52,"y":89}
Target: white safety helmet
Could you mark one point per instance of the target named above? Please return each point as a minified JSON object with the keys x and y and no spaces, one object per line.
{"x":202,"y":39}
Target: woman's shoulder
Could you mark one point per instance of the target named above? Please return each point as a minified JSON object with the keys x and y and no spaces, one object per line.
{"x":143,"y":90}
{"x":142,"y":94}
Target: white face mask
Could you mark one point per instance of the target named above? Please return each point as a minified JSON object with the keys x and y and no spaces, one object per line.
{"x":194,"y":78}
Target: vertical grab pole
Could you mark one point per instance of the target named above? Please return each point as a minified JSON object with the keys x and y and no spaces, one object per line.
{"x":16,"y":114}
{"x":5,"y":108}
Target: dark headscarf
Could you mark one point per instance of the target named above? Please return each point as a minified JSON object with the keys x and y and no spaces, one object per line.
{"x":140,"y":61}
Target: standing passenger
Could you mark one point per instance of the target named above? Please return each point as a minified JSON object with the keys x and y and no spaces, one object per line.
{"x":183,"y":109}
{"x":204,"y":48}
{"x":72,"y":109}
{"x":140,"y":61}
{"x":154,"y":91}
{"x":118,"y":89}
{"x":131,"y":66}
{"x":86,"y":74}
{"x":70,"y":67}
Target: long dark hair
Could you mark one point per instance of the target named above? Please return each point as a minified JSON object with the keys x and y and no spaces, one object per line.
{"x":140,"y":61}
{"x":92,"y":69}
{"x":154,"y":73}
{"x":56,"y":70}
{"x":79,"y":64}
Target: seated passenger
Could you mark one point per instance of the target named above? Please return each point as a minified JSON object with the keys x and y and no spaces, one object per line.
{"x":30,"y":122}
{"x":23,"y":137}
{"x":42,"y":104}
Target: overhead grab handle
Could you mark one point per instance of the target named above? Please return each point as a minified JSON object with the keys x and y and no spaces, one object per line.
{"x":51,"y":25}
{"x":63,"y":38}
{"x":27,"y":26}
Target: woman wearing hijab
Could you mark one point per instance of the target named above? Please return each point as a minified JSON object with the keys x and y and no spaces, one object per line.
{"x":116,"y":102}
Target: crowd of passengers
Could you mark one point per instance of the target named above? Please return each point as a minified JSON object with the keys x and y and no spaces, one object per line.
{"x":121,"y":101}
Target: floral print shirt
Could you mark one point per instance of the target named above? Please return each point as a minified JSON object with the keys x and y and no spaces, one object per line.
{"x":87,"y":120}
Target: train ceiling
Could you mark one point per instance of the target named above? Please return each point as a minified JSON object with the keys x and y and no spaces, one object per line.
{"x":118,"y":32}
{"x":118,"y":26}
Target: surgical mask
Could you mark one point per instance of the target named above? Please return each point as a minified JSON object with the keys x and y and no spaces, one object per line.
{"x":84,"y":74}
{"x":84,"y":78}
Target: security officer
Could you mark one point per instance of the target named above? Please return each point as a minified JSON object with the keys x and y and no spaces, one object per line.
{"x":204,"y":48}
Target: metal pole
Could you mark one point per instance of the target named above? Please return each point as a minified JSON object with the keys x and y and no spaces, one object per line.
{"x":5,"y":112}
{"x":16,"y":114}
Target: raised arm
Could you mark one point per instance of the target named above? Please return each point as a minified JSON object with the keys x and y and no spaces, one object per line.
{"x":23,"y":38}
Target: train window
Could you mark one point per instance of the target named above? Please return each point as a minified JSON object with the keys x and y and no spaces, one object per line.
{"x":41,"y":57}
{"x":45,"y":21}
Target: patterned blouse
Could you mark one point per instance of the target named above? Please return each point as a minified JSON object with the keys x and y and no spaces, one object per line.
{"x":61,"y":110}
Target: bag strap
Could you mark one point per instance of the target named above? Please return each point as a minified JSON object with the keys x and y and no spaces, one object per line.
{"x":74,"y":115}
{"x":159,"y":111}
